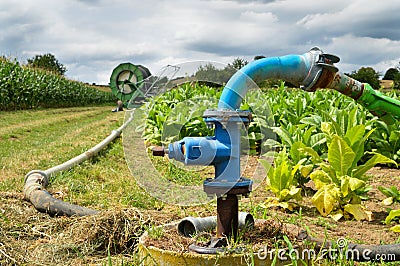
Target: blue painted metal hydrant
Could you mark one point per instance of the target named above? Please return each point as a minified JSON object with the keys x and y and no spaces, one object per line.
{"x":223,"y":152}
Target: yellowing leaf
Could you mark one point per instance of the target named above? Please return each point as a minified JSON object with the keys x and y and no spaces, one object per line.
{"x":320,"y":178}
{"x":340,"y":155}
{"x":284,"y":205}
{"x":344,"y":186}
{"x":331,"y":173}
{"x":388,"y":201}
{"x":369,"y":215}
{"x":325,"y":198}
{"x":305,"y":170}
{"x":270,"y":202}
{"x":355,"y":199}
{"x":395,"y":228}
{"x":326,"y":128}
{"x":392,"y":214}
{"x":294,"y":190}
{"x":284,"y":193}
{"x":336,"y":216}
{"x":291,"y":193}
{"x":295,"y":193}
{"x":274,"y":202}
{"x":357,"y":211}
{"x":355,"y":183}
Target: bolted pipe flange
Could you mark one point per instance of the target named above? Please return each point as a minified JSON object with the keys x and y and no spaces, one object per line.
{"x":224,"y":116}
{"x":213,"y":186}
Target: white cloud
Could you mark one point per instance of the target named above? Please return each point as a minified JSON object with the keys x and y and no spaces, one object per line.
{"x":92,"y":36}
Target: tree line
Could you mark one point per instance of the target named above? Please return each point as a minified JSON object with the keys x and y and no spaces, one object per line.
{"x":209,"y":72}
{"x":364,"y":74}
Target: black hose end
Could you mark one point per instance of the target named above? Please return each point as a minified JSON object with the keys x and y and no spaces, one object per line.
{"x":205,"y":250}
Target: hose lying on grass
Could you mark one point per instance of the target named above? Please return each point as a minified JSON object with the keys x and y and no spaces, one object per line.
{"x":36,"y":182}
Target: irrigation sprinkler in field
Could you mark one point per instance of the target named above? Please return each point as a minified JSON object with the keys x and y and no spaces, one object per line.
{"x":131,"y":83}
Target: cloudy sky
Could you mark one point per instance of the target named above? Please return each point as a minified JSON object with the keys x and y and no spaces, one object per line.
{"x":91,"y":37}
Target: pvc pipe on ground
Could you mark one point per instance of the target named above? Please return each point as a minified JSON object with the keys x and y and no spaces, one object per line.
{"x":190,"y":226}
{"x":36,"y":181}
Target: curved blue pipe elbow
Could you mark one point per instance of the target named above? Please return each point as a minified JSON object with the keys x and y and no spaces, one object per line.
{"x":292,"y":68}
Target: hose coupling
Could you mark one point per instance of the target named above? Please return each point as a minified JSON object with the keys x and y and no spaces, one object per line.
{"x":322,"y":70}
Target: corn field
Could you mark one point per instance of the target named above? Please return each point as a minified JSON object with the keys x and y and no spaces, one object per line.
{"x":26,"y":88}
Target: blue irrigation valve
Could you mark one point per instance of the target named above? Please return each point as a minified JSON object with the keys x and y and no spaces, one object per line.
{"x":221,"y":150}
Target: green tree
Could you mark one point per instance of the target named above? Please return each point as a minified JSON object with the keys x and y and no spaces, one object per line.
{"x":392,"y":74}
{"x":238,"y":63}
{"x":367,"y":75}
{"x":48,"y":62}
{"x":210,"y":72}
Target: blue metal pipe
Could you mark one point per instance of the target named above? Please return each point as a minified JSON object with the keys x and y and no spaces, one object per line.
{"x":292,"y":68}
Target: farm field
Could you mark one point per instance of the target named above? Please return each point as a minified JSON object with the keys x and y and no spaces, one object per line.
{"x":39,"y":139}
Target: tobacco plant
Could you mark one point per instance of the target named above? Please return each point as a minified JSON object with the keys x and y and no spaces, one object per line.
{"x":340,"y":181}
{"x":393,"y":215}
{"x":281,"y":181}
{"x":177,"y":113}
{"x":392,"y":194}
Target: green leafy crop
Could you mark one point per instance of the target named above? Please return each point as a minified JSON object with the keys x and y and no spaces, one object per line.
{"x":340,"y":181}
{"x":26,"y":88}
{"x":280,"y":180}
